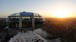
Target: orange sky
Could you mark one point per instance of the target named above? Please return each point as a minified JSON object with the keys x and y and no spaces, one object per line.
{"x":47,"y":8}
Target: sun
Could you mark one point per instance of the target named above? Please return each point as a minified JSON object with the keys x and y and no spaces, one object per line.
{"x":61,"y":13}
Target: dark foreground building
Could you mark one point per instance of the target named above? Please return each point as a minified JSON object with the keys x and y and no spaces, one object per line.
{"x":22,"y":21}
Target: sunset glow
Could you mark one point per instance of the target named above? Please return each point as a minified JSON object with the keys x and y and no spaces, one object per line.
{"x":46,"y":8}
{"x":61,"y":13}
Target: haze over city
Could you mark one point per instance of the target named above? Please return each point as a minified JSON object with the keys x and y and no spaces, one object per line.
{"x":46,"y":8}
{"x":37,"y":20}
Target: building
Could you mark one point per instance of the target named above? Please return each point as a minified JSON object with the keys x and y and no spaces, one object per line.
{"x":25,"y":21}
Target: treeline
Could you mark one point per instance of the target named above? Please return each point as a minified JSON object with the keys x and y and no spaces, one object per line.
{"x":62,"y":28}
{"x":2,"y":23}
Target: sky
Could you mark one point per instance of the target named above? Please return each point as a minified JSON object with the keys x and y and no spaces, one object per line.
{"x":46,"y":8}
